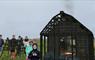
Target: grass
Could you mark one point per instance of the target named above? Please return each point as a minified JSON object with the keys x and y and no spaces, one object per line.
{"x":6,"y":56}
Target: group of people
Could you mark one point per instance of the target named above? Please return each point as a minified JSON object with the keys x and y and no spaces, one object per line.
{"x":15,"y":47}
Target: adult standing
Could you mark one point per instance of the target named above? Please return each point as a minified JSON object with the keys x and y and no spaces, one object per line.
{"x":1,"y":44}
{"x":8,"y":40}
{"x":7,"y":44}
{"x":13,"y":47}
{"x":19,"y":45}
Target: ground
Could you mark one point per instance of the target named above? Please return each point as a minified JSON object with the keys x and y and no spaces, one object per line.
{"x":6,"y":56}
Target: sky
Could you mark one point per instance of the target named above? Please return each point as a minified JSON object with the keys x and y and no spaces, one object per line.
{"x":29,"y":17}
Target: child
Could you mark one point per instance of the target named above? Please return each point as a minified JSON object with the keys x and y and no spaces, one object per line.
{"x":34,"y":54}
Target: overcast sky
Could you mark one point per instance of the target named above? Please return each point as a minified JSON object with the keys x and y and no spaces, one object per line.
{"x":28,"y":17}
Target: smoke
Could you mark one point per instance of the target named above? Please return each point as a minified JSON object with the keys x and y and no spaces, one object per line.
{"x":69,"y":6}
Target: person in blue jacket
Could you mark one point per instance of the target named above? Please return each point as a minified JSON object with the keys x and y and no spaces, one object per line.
{"x":1,"y":44}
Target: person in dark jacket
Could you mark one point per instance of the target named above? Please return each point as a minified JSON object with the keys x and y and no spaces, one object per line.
{"x":1,"y":44}
{"x":34,"y":54}
{"x":8,"y":40}
{"x":19,"y":45}
{"x":13,"y":47}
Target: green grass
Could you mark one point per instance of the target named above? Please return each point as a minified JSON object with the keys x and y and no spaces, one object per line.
{"x":6,"y":56}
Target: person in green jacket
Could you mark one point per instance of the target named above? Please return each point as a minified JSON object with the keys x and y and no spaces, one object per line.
{"x":28,"y":47}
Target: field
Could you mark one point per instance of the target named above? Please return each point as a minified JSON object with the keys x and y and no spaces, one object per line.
{"x":6,"y":56}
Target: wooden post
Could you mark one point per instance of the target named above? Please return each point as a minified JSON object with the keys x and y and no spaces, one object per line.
{"x":41,"y":47}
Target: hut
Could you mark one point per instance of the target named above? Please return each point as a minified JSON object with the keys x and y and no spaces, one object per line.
{"x":65,"y":38}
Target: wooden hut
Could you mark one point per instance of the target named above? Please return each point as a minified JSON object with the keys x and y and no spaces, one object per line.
{"x":65,"y":38}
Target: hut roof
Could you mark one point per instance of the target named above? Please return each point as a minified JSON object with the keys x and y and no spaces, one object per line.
{"x":61,"y":17}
